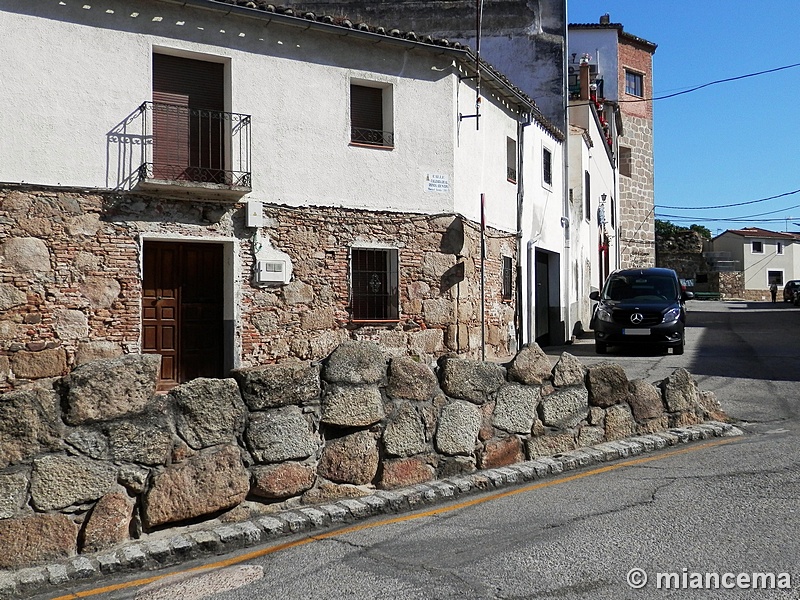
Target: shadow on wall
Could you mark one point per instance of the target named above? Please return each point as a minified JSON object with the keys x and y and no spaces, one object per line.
{"x":96,"y":457}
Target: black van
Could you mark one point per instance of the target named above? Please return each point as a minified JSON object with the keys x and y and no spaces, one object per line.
{"x":640,"y":307}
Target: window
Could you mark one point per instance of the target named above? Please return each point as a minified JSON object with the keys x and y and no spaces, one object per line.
{"x":633,"y":84}
{"x":375,"y":283}
{"x":508,"y":278}
{"x":547,"y":167}
{"x":757,"y":247}
{"x":779,"y":248}
{"x":370,"y":116}
{"x":775,"y":277}
{"x":625,"y":166}
{"x":587,"y":198}
{"x":189,"y":127}
{"x":511,"y":160}
{"x":613,"y":213}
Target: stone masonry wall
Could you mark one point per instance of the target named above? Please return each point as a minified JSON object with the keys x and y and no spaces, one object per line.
{"x":93,"y":459}
{"x":637,"y":197}
{"x":71,"y":287}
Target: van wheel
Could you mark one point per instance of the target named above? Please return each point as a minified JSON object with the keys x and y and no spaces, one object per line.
{"x":678,"y":349}
{"x":600,"y":347}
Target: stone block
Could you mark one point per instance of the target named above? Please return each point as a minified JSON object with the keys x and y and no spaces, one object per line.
{"x":565,"y":407}
{"x":280,"y":434}
{"x":405,"y":432}
{"x":350,"y":459}
{"x":457,"y":432}
{"x":108,"y":524}
{"x":286,"y":480}
{"x":411,"y":380}
{"x":209,"y":412}
{"x":13,"y":493}
{"x":607,"y":384}
{"x":645,"y":400}
{"x":109,"y":389}
{"x":568,"y":371}
{"x":501,"y":452}
{"x":550,"y":444}
{"x":38,"y":365}
{"x":404,"y":472}
{"x":30,"y":424}
{"x":36,"y":540}
{"x":271,"y":386}
{"x":356,"y":363}
{"x":61,"y":481}
{"x":212,"y":481}
{"x":352,"y":405}
{"x":515,"y":409}
{"x":530,"y":366}
{"x":680,"y":391}
{"x":469,"y":379}
{"x":620,"y":423}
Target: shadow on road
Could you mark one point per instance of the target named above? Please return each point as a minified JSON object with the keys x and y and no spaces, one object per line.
{"x":751,"y":340}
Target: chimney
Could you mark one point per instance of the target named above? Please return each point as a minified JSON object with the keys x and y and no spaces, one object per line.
{"x":605,"y":19}
{"x":584,"y":80}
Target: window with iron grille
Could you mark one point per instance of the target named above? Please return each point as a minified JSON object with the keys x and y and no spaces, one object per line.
{"x":547,"y":167}
{"x":375,"y":282}
{"x":369,"y":118}
{"x":634,"y":84}
{"x":508,"y":278}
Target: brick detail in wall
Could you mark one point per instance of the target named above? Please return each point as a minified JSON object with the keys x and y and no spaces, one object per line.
{"x":79,"y":297}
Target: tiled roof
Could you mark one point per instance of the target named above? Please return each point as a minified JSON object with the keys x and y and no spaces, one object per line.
{"x":761,"y":233}
{"x":291,"y":16}
{"x":620,"y":29}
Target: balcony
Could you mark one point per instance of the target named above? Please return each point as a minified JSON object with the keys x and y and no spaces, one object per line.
{"x":371,"y":137}
{"x":193,"y":152}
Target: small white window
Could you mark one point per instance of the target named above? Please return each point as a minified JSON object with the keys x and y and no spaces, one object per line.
{"x":779,"y":248}
{"x":547,"y":167}
{"x":757,"y":247}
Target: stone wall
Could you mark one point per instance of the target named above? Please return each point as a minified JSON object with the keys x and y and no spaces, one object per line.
{"x":71,"y":285}
{"x":93,"y":459}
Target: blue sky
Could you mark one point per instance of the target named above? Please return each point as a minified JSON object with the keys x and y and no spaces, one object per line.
{"x":728,"y":143}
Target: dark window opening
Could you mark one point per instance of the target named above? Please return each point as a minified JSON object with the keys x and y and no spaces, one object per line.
{"x":508,"y":278}
{"x":367,"y":118}
{"x":547,"y":166}
{"x":375,"y":284}
{"x":511,"y":160}
{"x":625,"y":166}
{"x":587,"y":196}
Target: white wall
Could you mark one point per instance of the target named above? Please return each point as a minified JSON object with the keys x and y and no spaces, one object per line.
{"x":602,"y":47}
{"x":294,"y":83}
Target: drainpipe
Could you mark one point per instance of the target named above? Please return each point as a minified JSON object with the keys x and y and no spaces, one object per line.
{"x":519,"y":313}
{"x":565,"y":268}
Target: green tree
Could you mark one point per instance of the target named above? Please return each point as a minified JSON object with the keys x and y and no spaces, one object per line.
{"x":666,"y":229}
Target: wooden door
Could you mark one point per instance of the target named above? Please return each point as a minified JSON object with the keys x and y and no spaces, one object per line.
{"x":182,"y":309}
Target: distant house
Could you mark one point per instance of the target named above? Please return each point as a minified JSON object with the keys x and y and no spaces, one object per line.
{"x":230,"y":185}
{"x":762,"y":256}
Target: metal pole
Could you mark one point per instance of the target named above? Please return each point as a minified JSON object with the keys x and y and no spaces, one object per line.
{"x":483,"y":276}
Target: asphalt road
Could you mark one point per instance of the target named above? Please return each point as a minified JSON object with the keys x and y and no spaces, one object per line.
{"x":726,"y":507}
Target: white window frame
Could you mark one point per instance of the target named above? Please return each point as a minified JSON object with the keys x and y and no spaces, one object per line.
{"x":545,"y":184}
{"x":753,"y":247}
{"x":778,"y":247}
{"x":775,"y":272}
{"x":387,"y":110}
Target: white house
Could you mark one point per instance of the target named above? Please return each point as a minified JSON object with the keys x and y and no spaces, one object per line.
{"x":230,"y":185}
{"x":763,"y":257}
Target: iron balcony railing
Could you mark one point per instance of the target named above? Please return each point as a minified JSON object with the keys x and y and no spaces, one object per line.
{"x":372,"y":137}
{"x":191,"y":145}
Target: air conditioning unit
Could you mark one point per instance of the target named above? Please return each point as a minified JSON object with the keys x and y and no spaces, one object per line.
{"x":271,"y":271}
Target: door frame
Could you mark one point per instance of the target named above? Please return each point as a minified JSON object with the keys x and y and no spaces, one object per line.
{"x":230,"y":273}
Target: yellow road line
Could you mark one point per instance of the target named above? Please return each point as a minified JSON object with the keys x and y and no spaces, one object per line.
{"x":401,"y":519}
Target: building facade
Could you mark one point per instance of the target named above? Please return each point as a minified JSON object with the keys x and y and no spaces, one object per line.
{"x":622,"y":67}
{"x":229,"y":186}
{"x":763,"y":257}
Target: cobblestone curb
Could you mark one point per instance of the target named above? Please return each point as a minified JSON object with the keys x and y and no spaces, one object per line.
{"x":206,"y":541}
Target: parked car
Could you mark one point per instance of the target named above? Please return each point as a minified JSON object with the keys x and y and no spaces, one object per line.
{"x":640,"y":307}
{"x":789,"y":290}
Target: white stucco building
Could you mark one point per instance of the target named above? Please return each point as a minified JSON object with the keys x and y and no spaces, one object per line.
{"x":201,"y":176}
